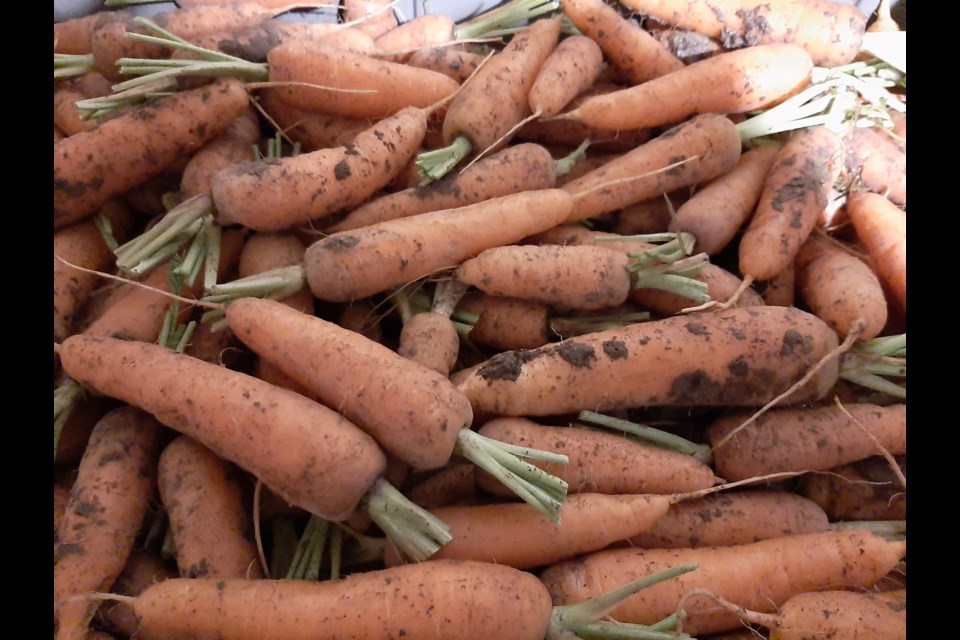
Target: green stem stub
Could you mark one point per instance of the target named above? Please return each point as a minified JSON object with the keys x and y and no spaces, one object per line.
{"x":544,"y":491}
{"x":138,"y":256}
{"x":649,"y":435}
{"x":309,"y":553}
{"x":870,"y":363}
{"x":65,"y":399}
{"x":416,"y":532}
{"x":435,"y":164}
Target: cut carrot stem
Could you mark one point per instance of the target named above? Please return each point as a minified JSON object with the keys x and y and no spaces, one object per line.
{"x":416,"y":532}
{"x":435,"y":164}
{"x":650,"y":435}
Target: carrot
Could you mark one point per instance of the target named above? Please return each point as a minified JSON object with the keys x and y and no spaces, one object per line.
{"x":311,"y":129}
{"x":756,"y":353}
{"x":794,"y":195}
{"x":283,"y":433}
{"x":232,"y":146}
{"x":421,"y":432}
{"x":875,"y":161}
{"x":457,"y":64}
{"x":506,"y":323}
{"x":652,"y":215}
{"x":715,"y":213}
{"x":141,"y":144}
{"x":635,"y":54}
{"x":142,"y":570}
{"x":601,"y":462}
{"x":731,"y":518}
{"x":430,"y":339}
{"x":78,"y":427}
{"x":72,"y":36}
{"x":760,"y":576}
{"x":426,"y":30}
{"x":254,"y":43}
{"x":452,"y":484}
{"x":521,"y":167}
{"x":572,"y":133}
{"x":375,"y":88}
{"x":568,"y":71}
{"x":732,"y":82}
{"x":107,"y":505}
{"x":797,"y":439}
{"x":882,"y":228}
{"x":374,"y":17}
{"x":780,"y":290}
{"x":275,"y":194}
{"x":204,"y":499}
{"x":482,"y":115}
{"x":862,"y":490}
{"x":826,"y":615}
{"x":518,"y":536}
{"x":702,"y":148}
{"x":65,"y":113}
{"x":840,"y":288}
{"x":831,"y":33}
{"x":359,"y":263}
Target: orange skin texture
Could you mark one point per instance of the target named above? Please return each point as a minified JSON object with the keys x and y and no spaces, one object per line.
{"x":879,"y":164}
{"x":863,"y":490}
{"x":633,"y":52}
{"x":454,"y":600}
{"x":520,"y":167}
{"x":430,"y":339}
{"x":73,"y":36}
{"x":427,"y":30}
{"x":744,"y":356}
{"x":313,"y":130}
{"x":66,"y":115}
{"x":794,"y":196}
{"x":276,"y":194}
{"x":882,"y":228}
{"x":709,"y":143}
{"x":309,"y":455}
{"x":413,"y":412}
{"x":840,"y":288}
{"x":517,"y":535}
{"x":759,"y":576}
{"x":233,"y":146}
{"x":816,"y":439}
{"x":375,"y":16}
{"x":496,"y":98}
{"x":455,"y":63}
{"x":388,"y":86}
{"x":108,"y":502}
{"x":506,"y":323}
{"x":830,"y":32}
{"x":568,"y":71}
{"x":737,"y":517}
{"x":142,"y":570}
{"x":355,"y":264}
{"x":832,"y":615}
{"x":205,"y":502}
{"x":454,"y":484}
{"x":728,"y":83}
{"x":716,"y":212}
{"x":599,"y":462}
{"x":125,"y":151}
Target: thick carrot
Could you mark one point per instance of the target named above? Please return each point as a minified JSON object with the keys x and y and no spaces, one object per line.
{"x":715,"y":213}
{"x":358,"y":378}
{"x":517,"y":535}
{"x":839,"y":288}
{"x":233,"y":146}
{"x":309,"y":455}
{"x":426,"y":30}
{"x":374,"y":17}
{"x":66,"y":116}
{"x":756,"y":353}
{"x":700,"y":149}
{"x":255,"y":43}
{"x":506,"y":323}
{"x":798,"y":439}
{"x":275,"y":194}
{"x":455,"y":63}
{"x":652,"y":215}
{"x":205,"y":502}
{"x":108,"y":501}
{"x":445,"y":598}
{"x":633,"y":52}
{"x":733,"y":517}
{"x":142,"y":570}
{"x":91,"y":167}
{"x":794,"y":196}
{"x":863,"y":490}
{"x":732,"y":82}
{"x":311,"y":129}
{"x":874,"y":160}
{"x":430,"y":339}
{"x":571,"y":133}
{"x":831,"y":32}
{"x":520,"y":167}
{"x":759,"y":576}
{"x":568,"y":71}
{"x":359,"y":263}
{"x":600,"y":462}
{"x":374,"y":88}
{"x":882,"y":228}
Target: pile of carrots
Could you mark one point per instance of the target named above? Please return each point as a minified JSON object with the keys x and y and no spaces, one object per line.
{"x":582,"y":318}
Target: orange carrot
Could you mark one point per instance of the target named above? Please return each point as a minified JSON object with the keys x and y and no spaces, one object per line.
{"x":799,"y":439}
{"x":233,"y":146}
{"x":732,"y":82}
{"x":453,"y":484}
{"x":107,"y":505}
{"x":882,"y":228}
{"x":756,"y":353}
{"x":863,"y":490}
{"x":506,"y":323}
{"x":633,"y":52}
{"x":430,"y":339}
{"x":72,"y":36}
{"x":359,"y":263}
{"x":568,"y":71}
{"x":649,"y":216}
{"x":311,"y":129}
{"x":374,"y":17}
{"x":760,"y":576}
{"x":875,"y":161}
{"x":831,"y":32}
{"x":142,"y":570}
{"x":452,"y":62}
{"x":274,"y":194}
{"x":125,"y":151}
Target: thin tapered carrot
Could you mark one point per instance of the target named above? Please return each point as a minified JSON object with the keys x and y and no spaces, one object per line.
{"x":882,"y":228}
{"x":121,"y":153}
{"x":572,"y":133}
{"x":633,"y":52}
{"x":862,"y":490}
{"x":760,"y":575}
{"x":355,"y":264}
{"x":805,"y":439}
{"x":732,"y":82}
{"x":275,"y":194}
{"x":66,"y":116}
